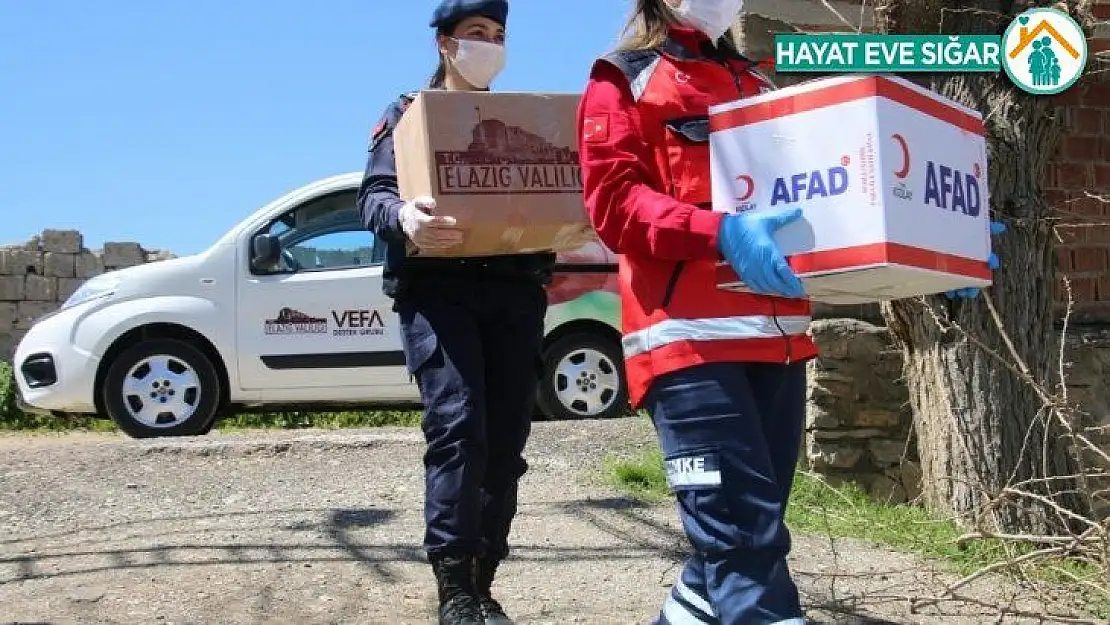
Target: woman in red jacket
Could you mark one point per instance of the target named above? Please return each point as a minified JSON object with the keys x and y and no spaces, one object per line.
{"x":721,"y":373}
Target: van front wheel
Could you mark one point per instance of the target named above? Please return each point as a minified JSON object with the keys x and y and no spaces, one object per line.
{"x":583,"y":378}
{"x":162,"y":387}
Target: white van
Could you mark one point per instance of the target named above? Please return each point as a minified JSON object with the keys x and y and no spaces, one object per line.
{"x":166,"y":348}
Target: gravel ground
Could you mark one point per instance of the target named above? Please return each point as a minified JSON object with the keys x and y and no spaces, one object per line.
{"x":325,"y":527}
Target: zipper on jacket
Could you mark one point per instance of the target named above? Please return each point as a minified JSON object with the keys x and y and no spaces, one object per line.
{"x":735,"y":76}
{"x":789,"y":347}
{"x":668,"y":295}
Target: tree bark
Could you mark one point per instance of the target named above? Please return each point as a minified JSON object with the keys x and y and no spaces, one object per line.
{"x":981,"y":426}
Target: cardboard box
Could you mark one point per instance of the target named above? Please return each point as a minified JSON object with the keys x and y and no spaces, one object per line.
{"x":892,"y":179}
{"x":505,"y":165}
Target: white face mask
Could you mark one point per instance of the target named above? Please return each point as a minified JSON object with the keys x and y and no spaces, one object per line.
{"x":479,"y":62}
{"x":712,"y":17}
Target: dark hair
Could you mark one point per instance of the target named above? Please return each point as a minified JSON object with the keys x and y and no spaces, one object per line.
{"x":648,"y":26}
{"x":440,"y":75}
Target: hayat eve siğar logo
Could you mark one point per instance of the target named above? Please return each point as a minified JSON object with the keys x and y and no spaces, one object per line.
{"x":1044,"y":51}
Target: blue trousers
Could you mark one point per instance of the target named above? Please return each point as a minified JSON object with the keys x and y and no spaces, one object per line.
{"x":730,"y":435}
{"x":474,"y":348}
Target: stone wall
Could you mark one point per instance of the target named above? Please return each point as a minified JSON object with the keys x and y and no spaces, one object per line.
{"x":35,"y":278}
{"x":859,"y":424}
{"x":858,"y":420}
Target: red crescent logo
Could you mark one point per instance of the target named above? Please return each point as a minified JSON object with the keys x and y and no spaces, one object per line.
{"x":905,"y":170}
{"x":749,"y":187}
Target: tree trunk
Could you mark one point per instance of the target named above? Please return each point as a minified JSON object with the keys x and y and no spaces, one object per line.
{"x":981,"y":426}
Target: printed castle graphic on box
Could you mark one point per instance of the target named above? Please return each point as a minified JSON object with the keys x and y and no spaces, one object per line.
{"x":506,"y":159}
{"x":289,"y":321}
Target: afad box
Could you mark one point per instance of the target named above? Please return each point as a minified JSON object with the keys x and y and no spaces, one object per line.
{"x":891,"y":178}
{"x":505,"y":165}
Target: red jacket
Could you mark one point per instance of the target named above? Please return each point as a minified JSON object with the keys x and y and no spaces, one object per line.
{"x":644,"y":149}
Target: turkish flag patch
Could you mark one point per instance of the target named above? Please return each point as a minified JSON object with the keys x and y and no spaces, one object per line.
{"x":377,"y":130}
{"x":595,"y":128}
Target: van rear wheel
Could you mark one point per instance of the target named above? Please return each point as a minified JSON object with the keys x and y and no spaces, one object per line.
{"x":162,"y":387}
{"x":583,"y":378}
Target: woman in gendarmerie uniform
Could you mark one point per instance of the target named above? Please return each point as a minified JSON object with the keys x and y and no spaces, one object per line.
{"x":472,"y":331}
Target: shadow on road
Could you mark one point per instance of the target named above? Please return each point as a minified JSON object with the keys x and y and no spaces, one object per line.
{"x":344,"y":535}
{"x":614,"y":530}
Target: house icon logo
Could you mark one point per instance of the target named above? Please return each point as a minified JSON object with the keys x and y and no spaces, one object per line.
{"x":1044,"y":51}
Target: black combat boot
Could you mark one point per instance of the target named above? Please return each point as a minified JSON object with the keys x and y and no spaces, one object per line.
{"x":484,"y":571}
{"x":458,"y":602}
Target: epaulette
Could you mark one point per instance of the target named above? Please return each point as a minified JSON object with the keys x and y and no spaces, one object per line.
{"x":637,"y":67}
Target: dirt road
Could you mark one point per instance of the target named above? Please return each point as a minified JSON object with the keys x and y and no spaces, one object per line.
{"x":324,"y":527}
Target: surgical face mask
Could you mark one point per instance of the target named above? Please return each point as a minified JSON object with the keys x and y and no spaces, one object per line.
{"x":479,"y":62}
{"x":712,"y":17}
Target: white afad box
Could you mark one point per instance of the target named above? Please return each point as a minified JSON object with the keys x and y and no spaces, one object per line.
{"x":891,"y":178}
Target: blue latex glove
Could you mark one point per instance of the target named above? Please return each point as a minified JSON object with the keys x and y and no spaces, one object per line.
{"x":997,"y":228}
{"x":744,"y":239}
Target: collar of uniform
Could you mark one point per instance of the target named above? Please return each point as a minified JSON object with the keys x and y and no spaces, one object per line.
{"x":689,"y":38}
{"x":689,"y":44}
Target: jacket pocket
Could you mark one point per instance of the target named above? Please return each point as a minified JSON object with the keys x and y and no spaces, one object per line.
{"x":687,"y":143}
{"x":418,"y":338}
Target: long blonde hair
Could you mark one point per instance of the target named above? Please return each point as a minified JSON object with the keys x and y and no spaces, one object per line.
{"x":648,"y":25}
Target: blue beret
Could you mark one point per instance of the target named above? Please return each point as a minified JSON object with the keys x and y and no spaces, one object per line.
{"x":451,"y":11}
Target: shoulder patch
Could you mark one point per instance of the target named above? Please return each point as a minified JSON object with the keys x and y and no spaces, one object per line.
{"x":389,"y":119}
{"x":379,"y":131}
{"x":595,"y":128}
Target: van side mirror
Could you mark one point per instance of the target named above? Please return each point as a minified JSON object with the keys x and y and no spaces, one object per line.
{"x":265,"y":252}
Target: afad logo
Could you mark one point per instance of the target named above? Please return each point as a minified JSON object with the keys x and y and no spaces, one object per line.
{"x":1044,"y":51}
{"x":952,"y":190}
{"x":945,"y":187}
{"x":798,"y":187}
{"x":805,"y":186}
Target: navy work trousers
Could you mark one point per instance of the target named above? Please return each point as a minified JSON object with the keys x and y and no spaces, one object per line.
{"x":730,"y":435}
{"x":474,"y":348}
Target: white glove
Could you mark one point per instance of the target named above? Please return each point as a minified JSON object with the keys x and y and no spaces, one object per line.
{"x":425,"y":229}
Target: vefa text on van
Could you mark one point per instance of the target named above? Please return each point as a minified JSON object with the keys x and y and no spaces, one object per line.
{"x":358,"y":323}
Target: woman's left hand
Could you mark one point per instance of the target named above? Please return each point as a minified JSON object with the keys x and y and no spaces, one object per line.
{"x":997,"y":227}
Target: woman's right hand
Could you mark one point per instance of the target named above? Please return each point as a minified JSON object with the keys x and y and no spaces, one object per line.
{"x":746,"y":241}
{"x":425,"y":229}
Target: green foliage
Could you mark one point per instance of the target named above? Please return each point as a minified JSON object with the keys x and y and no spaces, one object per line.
{"x":325,"y":420}
{"x":13,"y":419}
{"x":644,"y":478}
{"x":7,"y":391}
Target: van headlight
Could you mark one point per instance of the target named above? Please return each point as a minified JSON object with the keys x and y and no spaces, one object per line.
{"x":95,"y":288}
